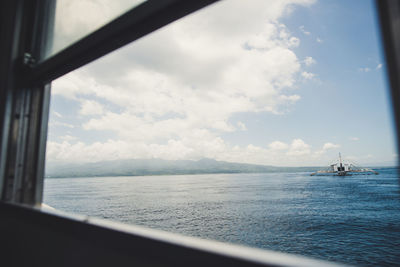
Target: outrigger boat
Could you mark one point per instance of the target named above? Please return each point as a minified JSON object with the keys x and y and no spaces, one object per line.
{"x":340,"y":168}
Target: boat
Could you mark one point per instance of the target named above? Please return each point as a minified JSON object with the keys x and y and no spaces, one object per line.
{"x":340,"y":168}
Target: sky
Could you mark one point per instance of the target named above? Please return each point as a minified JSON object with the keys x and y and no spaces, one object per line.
{"x":285,"y":83}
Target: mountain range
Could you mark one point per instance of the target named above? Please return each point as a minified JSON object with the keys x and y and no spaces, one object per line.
{"x":140,"y":167}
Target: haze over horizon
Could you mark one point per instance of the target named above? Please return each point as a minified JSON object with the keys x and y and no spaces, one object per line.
{"x":281,"y":83}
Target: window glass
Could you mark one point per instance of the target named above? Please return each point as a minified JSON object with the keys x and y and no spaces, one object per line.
{"x":215,"y":125}
{"x":74,"y":19}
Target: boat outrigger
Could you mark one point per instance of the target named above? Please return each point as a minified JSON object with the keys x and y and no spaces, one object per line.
{"x":340,"y":168}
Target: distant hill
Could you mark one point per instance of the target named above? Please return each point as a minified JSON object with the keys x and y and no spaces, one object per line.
{"x":140,"y":167}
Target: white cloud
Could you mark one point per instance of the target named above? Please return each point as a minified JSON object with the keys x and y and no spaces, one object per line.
{"x":303,"y":30}
{"x":68,"y":138}
{"x":325,"y":148}
{"x":58,"y":123}
{"x":299,"y":148}
{"x":308,"y":61}
{"x":354,"y":138}
{"x":200,"y":145}
{"x":367,"y":69}
{"x":307,"y":75}
{"x":277,"y":145}
{"x":177,"y":89}
{"x":328,"y":146}
{"x":289,"y":98}
{"x":364,"y":69}
{"x":90,"y":107}
{"x":319,"y":40}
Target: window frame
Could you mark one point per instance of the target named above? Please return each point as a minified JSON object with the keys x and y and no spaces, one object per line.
{"x":25,"y":78}
{"x":27,"y":74}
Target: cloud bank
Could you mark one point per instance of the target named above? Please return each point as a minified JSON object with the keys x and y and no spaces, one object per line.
{"x":175,"y":92}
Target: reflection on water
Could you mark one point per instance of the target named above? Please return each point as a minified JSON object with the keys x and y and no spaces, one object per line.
{"x":354,"y":219}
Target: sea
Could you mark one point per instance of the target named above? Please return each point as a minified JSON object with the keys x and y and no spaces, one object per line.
{"x":351,"y":219}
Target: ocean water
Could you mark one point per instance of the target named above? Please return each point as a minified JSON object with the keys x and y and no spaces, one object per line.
{"x":353,"y":219}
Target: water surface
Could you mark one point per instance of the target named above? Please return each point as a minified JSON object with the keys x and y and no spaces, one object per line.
{"x":352,"y":219}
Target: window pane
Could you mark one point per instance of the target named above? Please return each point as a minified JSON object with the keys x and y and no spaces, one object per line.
{"x":211,"y":127}
{"x":75,"y":19}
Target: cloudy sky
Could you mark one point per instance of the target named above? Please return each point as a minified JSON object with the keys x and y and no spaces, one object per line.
{"x":288,"y":83}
